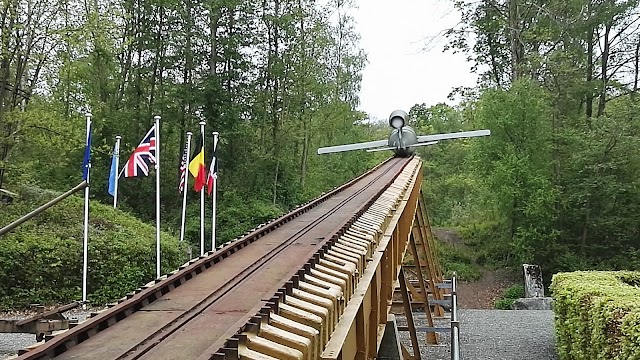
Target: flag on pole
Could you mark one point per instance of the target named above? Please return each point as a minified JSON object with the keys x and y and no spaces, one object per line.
{"x":183,"y":183}
{"x":87,"y":154}
{"x":196,"y":166}
{"x":143,"y":156}
{"x":213,"y":171}
{"x":183,"y":169}
{"x":113,"y":173}
{"x":85,"y":232}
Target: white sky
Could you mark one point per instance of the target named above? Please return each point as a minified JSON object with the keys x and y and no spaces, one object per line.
{"x":405,"y":68}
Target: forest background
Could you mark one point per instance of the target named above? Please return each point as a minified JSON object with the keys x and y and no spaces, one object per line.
{"x":556,"y":183}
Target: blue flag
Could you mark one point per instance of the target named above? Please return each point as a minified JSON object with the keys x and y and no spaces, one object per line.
{"x":113,"y":173}
{"x":87,"y":157}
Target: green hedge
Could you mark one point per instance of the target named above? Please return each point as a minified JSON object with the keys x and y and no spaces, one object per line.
{"x":597,"y":315}
{"x":41,"y":261}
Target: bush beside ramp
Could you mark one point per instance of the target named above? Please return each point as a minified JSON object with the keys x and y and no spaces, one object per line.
{"x":597,"y":315}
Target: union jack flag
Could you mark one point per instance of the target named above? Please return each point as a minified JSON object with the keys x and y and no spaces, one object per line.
{"x":183,"y":170}
{"x":143,"y":156}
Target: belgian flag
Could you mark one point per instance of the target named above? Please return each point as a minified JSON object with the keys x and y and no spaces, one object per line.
{"x":196,"y":166}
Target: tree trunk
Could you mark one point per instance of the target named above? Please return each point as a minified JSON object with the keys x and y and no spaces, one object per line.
{"x":275,"y":100}
{"x":514,"y":40}
{"x":585,"y":230}
{"x":589,"y":110}
{"x":214,"y":18}
{"x":636,"y":63}
{"x":604,"y":67}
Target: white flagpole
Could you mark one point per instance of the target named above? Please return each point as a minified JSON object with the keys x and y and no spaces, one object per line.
{"x":157,"y":120}
{"x":85,"y":240}
{"x":117,"y":155}
{"x":184,"y":190}
{"x":215,"y":190}
{"x":202,"y":124}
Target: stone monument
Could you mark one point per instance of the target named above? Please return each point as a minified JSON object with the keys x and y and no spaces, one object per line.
{"x":533,"y":291}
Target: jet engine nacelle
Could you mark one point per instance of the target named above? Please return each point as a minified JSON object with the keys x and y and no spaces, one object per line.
{"x":398,"y":119}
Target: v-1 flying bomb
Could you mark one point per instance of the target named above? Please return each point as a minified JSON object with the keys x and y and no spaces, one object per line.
{"x":403,"y":139}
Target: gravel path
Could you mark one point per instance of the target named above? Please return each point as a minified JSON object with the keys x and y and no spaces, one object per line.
{"x":494,"y":335}
{"x":10,"y":343}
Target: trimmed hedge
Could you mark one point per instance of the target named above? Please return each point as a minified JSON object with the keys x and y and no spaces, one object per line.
{"x":597,"y":315}
{"x":41,"y":261}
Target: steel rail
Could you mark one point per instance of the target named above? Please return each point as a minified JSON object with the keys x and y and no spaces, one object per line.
{"x":144,"y":297}
{"x":144,"y":346}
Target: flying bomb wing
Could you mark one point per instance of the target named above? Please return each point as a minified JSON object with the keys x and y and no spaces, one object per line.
{"x":358,"y":146}
{"x":456,"y":135}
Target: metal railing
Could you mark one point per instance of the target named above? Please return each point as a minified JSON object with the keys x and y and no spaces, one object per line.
{"x":455,"y":324}
{"x":42,"y":208}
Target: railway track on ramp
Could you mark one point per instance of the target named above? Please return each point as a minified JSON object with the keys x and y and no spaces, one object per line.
{"x":275,"y":293}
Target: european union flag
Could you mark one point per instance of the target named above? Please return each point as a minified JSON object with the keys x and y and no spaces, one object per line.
{"x":87,"y":157}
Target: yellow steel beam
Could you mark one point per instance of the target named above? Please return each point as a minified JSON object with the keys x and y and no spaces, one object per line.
{"x":338,"y":308}
{"x":359,"y":333}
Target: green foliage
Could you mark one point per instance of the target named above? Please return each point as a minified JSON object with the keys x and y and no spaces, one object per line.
{"x":514,"y":292}
{"x":459,"y":260}
{"x":513,"y":164}
{"x":464,"y":271}
{"x":510,"y":295}
{"x":556,"y":183}
{"x":597,"y":315}
{"x":273,"y":102}
{"x":564,"y":197}
{"x":41,"y":261}
{"x":503,"y":303}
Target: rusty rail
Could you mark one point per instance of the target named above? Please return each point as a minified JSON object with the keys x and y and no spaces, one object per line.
{"x":151,"y":292}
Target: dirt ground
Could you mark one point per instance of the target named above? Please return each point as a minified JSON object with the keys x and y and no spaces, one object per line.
{"x":483,"y":293}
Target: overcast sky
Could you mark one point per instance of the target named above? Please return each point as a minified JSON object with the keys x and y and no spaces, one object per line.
{"x":400,"y":71}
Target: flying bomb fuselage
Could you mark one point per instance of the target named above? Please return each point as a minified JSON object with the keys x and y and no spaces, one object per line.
{"x":401,"y":140}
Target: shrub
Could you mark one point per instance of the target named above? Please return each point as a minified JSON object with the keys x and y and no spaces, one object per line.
{"x":510,"y":295}
{"x":458,"y":259}
{"x":464,"y":272}
{"x":514,"y":292}
{"x":503,"y":304}
{"x":41,"y":261}
{"x":597,"y":315}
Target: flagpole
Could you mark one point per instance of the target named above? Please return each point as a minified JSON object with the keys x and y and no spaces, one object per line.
{"x":215,"y":190}
{"x":117,"y":156}
{"x":202,"y":124}
{"x":184,"y":188}
{"x":157,"y":120}
{"x":85,"y":240}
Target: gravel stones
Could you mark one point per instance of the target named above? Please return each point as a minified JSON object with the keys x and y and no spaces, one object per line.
{"x":493,"y":335}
